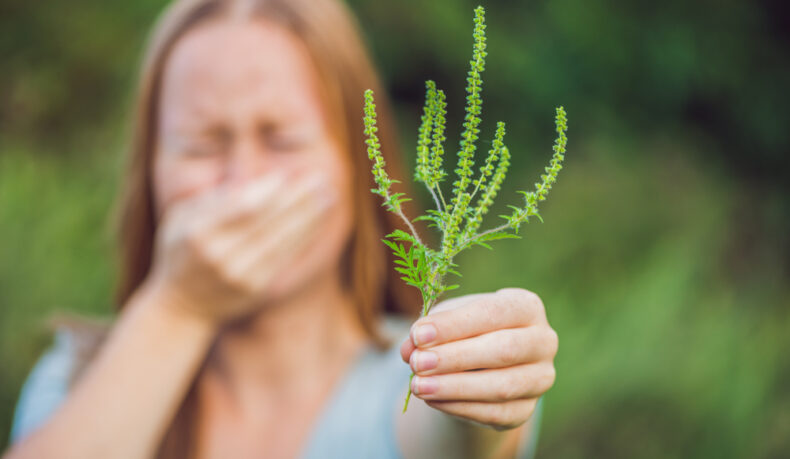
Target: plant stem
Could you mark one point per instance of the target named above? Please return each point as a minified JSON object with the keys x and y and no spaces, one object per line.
{"x":435,"y":199}
{"x":441,"y":196}
{"x":409,"y":224}
{"x":408,"y":396}
{"x":426,"y":306}
{"x":479,"y":235}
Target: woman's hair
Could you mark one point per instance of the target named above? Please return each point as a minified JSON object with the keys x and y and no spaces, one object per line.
{"x":333,"y":40}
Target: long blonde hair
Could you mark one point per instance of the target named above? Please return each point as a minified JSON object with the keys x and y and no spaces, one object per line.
{"x":333,"y":40}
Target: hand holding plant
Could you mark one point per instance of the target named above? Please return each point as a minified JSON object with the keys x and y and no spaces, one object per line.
{"x":459,"y":219}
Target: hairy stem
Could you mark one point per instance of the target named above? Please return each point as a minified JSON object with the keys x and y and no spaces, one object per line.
{"x":409,"y":224}
{"x":435,"y":200}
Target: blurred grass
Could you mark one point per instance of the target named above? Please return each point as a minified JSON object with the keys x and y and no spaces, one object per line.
{"x":53,"y":255}
{"x":664,"y":257}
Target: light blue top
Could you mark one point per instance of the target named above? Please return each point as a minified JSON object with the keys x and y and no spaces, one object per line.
{"x":357,"y":422}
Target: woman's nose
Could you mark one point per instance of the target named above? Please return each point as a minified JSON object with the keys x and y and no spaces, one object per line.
{"x":245,"y":162}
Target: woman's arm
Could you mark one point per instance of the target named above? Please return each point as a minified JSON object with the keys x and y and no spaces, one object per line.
{"x":207,"y":270}
{"x":122,"y":405}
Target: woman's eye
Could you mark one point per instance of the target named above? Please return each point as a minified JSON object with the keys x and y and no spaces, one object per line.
{"x":288,"y":138}
{"x":202,"y":148}
{"x":283,"y":142}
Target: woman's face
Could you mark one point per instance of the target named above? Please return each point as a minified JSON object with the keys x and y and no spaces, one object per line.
{"x":240,"y":99}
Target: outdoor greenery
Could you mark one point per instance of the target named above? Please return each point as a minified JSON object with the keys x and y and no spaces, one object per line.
{"x":664,"y":258}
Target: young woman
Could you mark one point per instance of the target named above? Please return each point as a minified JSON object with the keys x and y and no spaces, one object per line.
{"x":256,"y":301}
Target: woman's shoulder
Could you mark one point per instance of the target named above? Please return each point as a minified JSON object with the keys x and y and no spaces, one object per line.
{"x":358,"y":420}
{"x":395,"y":328}
{"x":381,"y":370}
{"x":385,"y":366}
{"x":47,"y":384}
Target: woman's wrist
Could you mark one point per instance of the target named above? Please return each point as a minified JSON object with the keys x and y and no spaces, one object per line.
{"x":174,"y":307}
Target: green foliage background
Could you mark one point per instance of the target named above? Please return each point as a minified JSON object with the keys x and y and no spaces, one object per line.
{"x":664,"y":259}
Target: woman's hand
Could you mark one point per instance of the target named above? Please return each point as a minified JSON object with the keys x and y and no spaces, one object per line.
{"x":217,"y":253}
{"x":485,"y":358}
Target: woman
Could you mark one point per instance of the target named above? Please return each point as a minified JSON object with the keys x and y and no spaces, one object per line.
{"x":255,"y":297}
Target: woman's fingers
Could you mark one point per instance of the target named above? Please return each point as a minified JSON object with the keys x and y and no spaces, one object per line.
{"x":260,"y":206}
{"x":452,"y":303}
{"x":291,"y":232}
{"x":507,"y":308}
{"x":225,"y":202}
{"x":406,"y":349}
{"x":226,"y":245}
{"x":499,"y":415}
{"x":310,"y":188}
{"x":494,"y":385}
{"x":497,"y":349}
{"x":486,"y":358}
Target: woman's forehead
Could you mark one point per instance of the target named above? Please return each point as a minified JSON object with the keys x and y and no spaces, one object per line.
{"x":243,"y":64}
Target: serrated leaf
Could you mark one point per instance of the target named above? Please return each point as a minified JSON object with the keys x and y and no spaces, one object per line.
{"x":400,"y":235}
{"x":497,"y":236}
{"x":390,"y":244}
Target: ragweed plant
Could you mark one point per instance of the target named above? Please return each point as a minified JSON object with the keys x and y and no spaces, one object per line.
{"x":460,"y":218}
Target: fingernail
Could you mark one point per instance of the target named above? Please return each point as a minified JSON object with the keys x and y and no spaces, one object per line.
{"x":423,"y":386}
{"x":423,"y":334}
{"x":424,"y":360}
